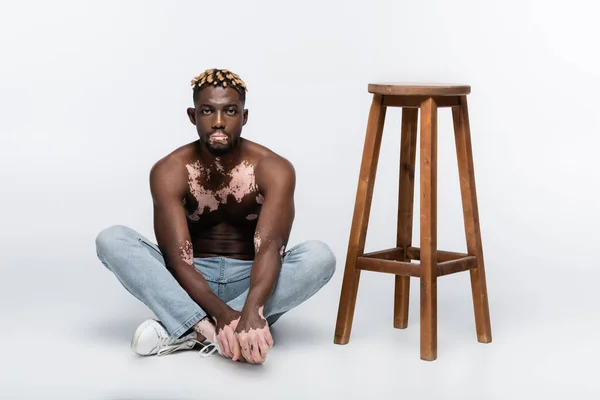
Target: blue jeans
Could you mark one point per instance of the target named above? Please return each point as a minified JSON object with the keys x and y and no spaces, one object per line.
{"x":139,"y":265}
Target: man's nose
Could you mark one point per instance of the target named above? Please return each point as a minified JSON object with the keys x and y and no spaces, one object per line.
{"x":218,"y":121}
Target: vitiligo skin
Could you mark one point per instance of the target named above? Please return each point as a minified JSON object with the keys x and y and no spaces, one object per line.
{"x":206,"y":329}
{"x":186,"y":252}
{"x":241,"y":183}
{"x":257,"y":241}
{"x":245,"y":347}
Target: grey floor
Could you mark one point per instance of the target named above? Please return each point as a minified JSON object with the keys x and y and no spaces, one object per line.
{"x":66,"y":341}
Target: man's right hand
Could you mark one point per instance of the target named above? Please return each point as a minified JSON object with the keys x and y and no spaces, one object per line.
{"x":225,"y":326}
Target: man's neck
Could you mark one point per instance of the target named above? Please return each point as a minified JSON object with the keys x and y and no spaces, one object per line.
{"x":221,"y":162}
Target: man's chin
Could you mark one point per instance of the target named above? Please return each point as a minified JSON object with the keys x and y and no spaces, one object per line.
{"x":218,"y":148}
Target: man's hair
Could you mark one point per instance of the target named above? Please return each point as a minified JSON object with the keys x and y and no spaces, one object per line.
{"x":219,"y":77}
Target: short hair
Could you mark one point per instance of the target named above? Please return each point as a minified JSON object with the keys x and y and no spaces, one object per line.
{"x":219,"y":77}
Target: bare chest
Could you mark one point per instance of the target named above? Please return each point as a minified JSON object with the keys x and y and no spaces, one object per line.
{"x":221,"y":196}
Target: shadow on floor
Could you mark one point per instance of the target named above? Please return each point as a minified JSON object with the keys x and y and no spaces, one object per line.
{"x":118,"y":329}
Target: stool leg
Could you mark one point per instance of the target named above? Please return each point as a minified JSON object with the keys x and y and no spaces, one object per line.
{"x":428,"y":208}
{"x":360,"y":220}
{"x":466,"y":171}
{"x":408,"y":152}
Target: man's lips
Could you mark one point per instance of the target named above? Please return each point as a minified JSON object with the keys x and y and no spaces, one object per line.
{"x":218,"y":137}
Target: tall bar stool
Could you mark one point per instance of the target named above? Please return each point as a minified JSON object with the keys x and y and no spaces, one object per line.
{"x":433,"y":263}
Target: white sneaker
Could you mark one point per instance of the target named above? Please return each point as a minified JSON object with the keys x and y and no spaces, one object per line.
{"x":151,"y":338}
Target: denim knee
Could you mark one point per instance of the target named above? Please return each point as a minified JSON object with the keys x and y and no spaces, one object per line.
{"x":108,"y":238}
{"x":321,"y":260}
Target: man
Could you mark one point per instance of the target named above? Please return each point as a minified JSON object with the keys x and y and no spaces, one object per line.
{"x":223,"y":210}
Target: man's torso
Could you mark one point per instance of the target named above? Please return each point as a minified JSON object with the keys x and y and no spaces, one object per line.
{"x":222,"y":203}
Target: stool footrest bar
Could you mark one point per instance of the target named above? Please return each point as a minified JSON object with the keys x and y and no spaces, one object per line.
{"x":387,"y":261}
{"x":388,"y":266}
{"x":459,"y":265}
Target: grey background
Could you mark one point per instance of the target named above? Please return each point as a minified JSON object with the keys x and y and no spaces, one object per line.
{"x":93,"y":93}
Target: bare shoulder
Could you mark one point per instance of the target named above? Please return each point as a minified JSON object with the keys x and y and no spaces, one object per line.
{"x":275,"y":165}
{"x":266,"y":158}
{"x":175,"y":159}
{"x":273,"y":170}
{"x":169,"y":174}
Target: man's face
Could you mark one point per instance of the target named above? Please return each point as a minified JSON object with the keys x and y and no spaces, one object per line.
{"x":219,"y":115}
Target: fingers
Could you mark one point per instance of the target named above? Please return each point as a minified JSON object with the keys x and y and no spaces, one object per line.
{"x":250,"y":348}
{"x":263,"y":347}
{"x":232,"y":340}
{"x":245,"y":346}
{"x":255,"y":350}
{"x":268,"y":337}
{"x":254,"y":345}
{"x":236,"y":351}
{"x":224,"y":343}
{"x":228,"y":341}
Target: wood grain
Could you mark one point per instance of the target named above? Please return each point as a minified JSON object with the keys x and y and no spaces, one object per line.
{"x":418,"y":89}
{"x":408,"y":153}
{"x":396,"y":253}
{"x":453,"y":266}
{"x":360,"y":220}
{"x":414,"y":253}
{"x":466,"y":172}
{"x":416,"y":101}
{"x":404,"y":268}
{"x":428,"y":208}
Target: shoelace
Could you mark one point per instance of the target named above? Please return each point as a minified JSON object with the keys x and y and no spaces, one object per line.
{"x":208,"y":350}
{"x":169,"y":345}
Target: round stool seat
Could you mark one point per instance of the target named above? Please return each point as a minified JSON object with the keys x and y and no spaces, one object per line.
{"x":419,"y":89}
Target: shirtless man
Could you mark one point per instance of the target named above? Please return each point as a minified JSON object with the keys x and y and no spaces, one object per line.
{"x":220,"y":273}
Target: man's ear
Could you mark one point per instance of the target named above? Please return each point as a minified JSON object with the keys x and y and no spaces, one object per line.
{"x":245,"y":117}
{"x":191,"y":112}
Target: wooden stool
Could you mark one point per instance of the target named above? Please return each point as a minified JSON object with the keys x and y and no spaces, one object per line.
{"x":433,"y":262}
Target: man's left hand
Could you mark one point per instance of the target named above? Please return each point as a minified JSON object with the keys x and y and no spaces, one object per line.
{"x":254,"y":336}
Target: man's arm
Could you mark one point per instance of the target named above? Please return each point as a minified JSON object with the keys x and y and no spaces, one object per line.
{"x":168,"y":188}
{"x":276,"y":179}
